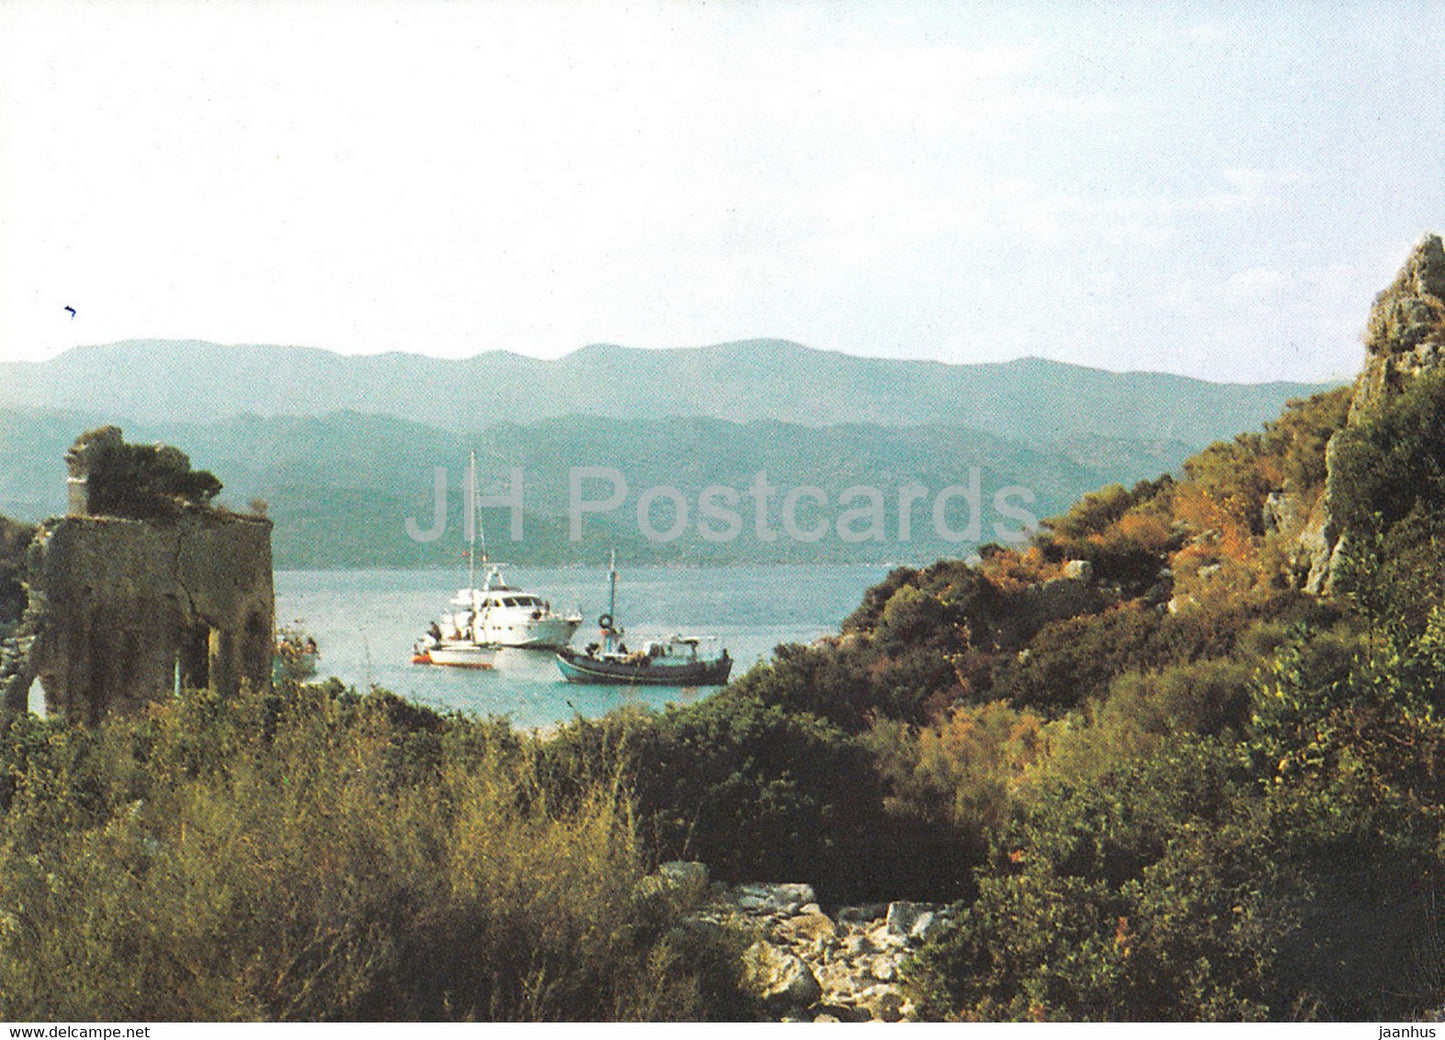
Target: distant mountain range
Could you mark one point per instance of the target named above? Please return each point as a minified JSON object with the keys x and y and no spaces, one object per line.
{"x":341,"y":487}
{"x":343,"y":449}
{"x":1028,"y":400}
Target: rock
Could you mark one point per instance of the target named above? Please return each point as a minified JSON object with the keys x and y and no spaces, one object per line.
{"x":866,"y":912}
{"x":1284,"y":512}
{"x":778,"y":978}
{"x":1310,"y":556}
{"x":884,"y":1002}
{"x":929,"y":923}
{"x":902,"y":916}
{"x":833,"y":976}
{"x":884,"y":939}
{"x":1405,"y":337}
{"x":807,"y":928}
{"x":1405,"y":315}
{"x":773,"y":899}
{"x":1080,"y":570}
{"x":813,"y":967}
{"x":1054,"y":600}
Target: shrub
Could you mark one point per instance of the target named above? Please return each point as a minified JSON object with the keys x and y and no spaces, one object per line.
{"x":962,"y":770}
{"x":1207,"y":698}
{"x":314,"y":855}
{"x":1143,"y":896}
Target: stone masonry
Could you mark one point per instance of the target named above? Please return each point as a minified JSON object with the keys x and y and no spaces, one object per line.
{"x":121,"y":610}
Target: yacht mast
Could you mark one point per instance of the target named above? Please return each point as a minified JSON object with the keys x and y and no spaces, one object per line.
{"x":472,"y":528}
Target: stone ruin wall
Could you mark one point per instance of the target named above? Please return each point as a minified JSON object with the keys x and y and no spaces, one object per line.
{"x":120,"y":611}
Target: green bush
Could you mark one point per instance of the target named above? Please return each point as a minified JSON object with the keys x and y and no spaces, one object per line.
{"x":1298,"y":437}
{"x":760,"y":791}
{"x":1206,"y":698}
{"x":313,"y":855}
{"x":141,"y":481}
{"x":1387,"y":487}
{"x":1144,"y":896}
{"x":1093,"y":513}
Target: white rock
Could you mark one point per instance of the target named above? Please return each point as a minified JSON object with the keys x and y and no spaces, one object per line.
{"x":764,"y":898}
{"x":778,"y":978}
{"x":885,"y":969}
{"x":863,"y":914}
{"x":902,"y":916}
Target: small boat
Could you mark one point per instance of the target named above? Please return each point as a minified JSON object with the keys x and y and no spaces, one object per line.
{"x":670,"y":662}
{"x":455,"y":653}
{"x":296,"y":653}
{"x":666,"y":662}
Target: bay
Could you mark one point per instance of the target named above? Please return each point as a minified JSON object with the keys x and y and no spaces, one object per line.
{"x":366,"y":621}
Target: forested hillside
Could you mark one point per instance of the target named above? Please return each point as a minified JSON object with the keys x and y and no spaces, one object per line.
{"x":340,"y":488}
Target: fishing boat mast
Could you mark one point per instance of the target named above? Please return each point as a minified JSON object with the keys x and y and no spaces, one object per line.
{"x":610,"y":630}
{"x":612,"y":588}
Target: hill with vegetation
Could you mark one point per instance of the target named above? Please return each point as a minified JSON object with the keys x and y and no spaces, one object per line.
{"x":1180,"y":757}
{"x":1030,"y":400}
{"x":340,"y":487}
{"x":342,"y":449}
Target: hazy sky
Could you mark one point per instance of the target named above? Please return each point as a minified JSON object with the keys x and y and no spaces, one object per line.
{"x":1216,"y":189}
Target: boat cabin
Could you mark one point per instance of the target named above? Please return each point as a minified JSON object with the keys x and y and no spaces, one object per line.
{"x":465,"y":598}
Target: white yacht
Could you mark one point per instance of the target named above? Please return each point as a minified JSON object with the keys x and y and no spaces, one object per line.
{"x":501,"y":615}
{"x":479,"y":621}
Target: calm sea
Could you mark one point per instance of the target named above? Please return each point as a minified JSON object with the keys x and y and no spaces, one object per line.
{"x":366,"y":621}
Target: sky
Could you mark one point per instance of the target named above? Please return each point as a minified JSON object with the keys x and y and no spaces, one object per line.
{"x":1216,"y":189}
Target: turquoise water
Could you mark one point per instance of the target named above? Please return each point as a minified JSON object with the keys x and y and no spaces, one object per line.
{"x":367,"y":620}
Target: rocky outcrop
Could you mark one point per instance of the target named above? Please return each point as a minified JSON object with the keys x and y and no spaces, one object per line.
{"x":1407,"y":326}
{"x":780,"y":979}
{"x":1068,"y":596}
{"x":807,"y":965}
{"x":1406,"y":337}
